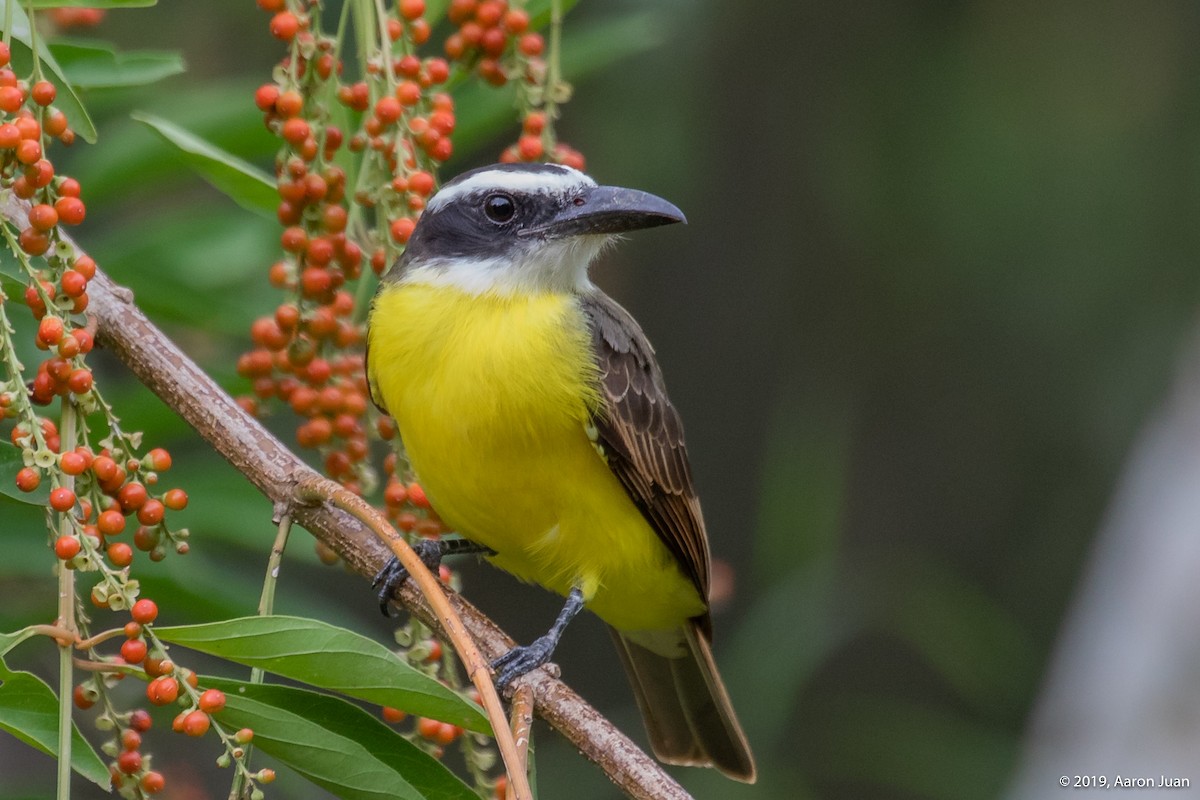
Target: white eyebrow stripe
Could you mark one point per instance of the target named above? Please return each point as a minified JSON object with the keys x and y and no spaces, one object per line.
{"x":513,"y":181}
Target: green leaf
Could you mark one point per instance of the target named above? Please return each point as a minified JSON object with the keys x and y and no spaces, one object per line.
{"x":336,"y":745}
{"x":12,"y":460}
{"x":10,"y":640}
{"x":22,"y":63}
{"x":245,"y":184}
{"x":97,"y":65}
{"x":539,"y":12}
{"x":29,"y":711}
{"x":332,"y":658}
{"x":90,"y":3}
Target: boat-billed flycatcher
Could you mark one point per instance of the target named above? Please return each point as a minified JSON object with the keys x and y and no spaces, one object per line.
{"x":534,"y":414}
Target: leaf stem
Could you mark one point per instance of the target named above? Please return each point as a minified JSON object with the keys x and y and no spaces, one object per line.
{"x":66,"y":620}
{"x":266,"y":606}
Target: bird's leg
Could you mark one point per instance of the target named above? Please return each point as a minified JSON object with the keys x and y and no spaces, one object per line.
{"x":431,"y":552}
{"x":519,"y":660}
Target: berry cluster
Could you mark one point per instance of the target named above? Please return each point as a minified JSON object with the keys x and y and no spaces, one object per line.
{"x":389,"y":121}
{"x":167,"y":683}
{"x":103,"y":497}
{"x":531,"y":145}
{"x":489,"y":31}
{"x":98,"y":503}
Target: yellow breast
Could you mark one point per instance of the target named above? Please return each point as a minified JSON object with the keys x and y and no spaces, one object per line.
{"x":492,"y":395}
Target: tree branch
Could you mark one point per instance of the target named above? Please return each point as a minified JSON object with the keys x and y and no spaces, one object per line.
{"x":275,"y":470}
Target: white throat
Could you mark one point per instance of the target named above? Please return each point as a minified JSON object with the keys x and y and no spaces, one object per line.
{"x":555,"y":265}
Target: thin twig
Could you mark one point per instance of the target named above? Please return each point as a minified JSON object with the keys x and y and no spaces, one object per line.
{"x":317,"y":489}
{"x":522,"y":723}
{"x":66,"y":613}
{"x":163,"y":368}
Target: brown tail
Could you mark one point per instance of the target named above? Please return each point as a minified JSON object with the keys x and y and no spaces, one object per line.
{"x":685,"y":706}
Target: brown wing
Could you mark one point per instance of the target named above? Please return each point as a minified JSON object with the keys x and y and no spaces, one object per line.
{"x":641,"y":436}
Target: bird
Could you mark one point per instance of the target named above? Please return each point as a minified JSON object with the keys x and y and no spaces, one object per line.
{"x":533,"y":411}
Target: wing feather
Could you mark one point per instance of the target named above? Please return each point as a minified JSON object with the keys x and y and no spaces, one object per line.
{"x":642,"y":436}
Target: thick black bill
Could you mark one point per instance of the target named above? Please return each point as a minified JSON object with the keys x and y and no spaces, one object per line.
{"x":609,"y":209}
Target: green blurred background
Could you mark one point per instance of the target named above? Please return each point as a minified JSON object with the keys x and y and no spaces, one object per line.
{"x":940,"y":263}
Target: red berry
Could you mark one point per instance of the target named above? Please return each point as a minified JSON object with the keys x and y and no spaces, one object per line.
{"x":28,"y":479}
{"x":66,"y":547}
{"x":130,"y":739}
{"x":290,"y":103}
{"x":84,"y":697}
{"x":196,"y":723}
{"x":284,"y":25}
{"x":388,"y":110}
{"x":530,"y":148}
{"x":111,"y":522}
{"x":402,"y":229}
{"x":416,"y":496}
{"x":393,"y":715}
{"x":133,"y":651}
{"x":120,"y":554}
{"x":489,"y":13}
{"x":160,"y":459}
{"x":28,"y":151}
{"x":144,"y":611}
{"x":408,"y":93}
{"x":162,"y":691}
{"x":73,"y":283}
{"x":33,"y":241}
{"x":151,"y":513}
{"x":129,"y":762}
{"x":73,"y":462}
{"x":447,"y":733}
{"x":62,"y":499}
{"x":132,"y":496}
{"x":153,"y":782}
{"x":71,"y":210}
{"x":266,"y":96}
{"x":43,"y":93}
{"x":56,"y":123}
{"x":419,"y":31}
{"x":428,"y":728}
{"x":140,"y":720}
{"x":104,"y":468}
{"x":212,"y":701}
{"x":80,"y":381}
{"x":175,"y":499}
{"x":43,"y":216}
{"x":85,"y":266}
{"x":531,"y":44}
{"x":516,"y":20}
{"x":421,"y":183}
{"x":295,"y":131}
{"x":11,"y":99}
{"x":411,"y":9}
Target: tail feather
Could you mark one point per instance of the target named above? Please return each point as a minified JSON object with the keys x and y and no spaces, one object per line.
{"x":686,"y":709}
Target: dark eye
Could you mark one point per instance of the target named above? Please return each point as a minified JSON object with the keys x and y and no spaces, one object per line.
{"x":499,"y":208}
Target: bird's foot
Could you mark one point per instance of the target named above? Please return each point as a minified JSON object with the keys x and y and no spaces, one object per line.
{"x":523,"y":659}
{"x":393,"y":574}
